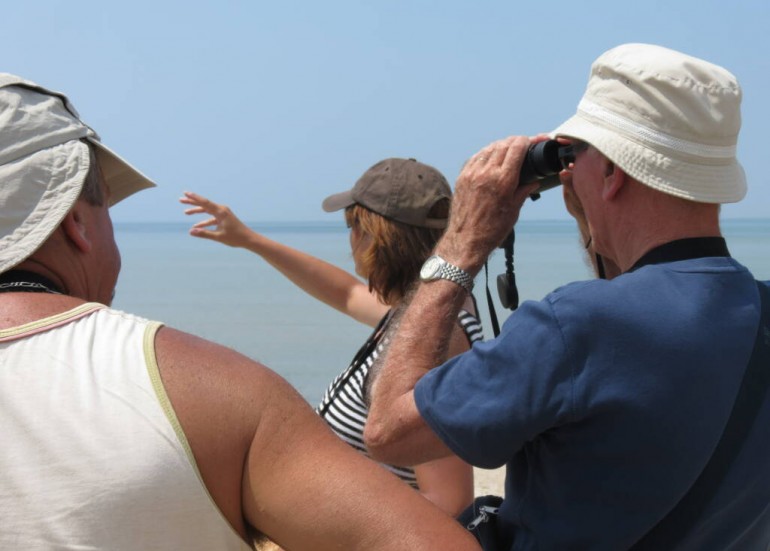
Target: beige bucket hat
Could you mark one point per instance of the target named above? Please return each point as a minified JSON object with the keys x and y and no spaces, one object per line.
{"x":43,"y":164}
{"x":669,"y":120}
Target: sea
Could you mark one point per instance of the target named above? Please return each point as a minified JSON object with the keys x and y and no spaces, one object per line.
{"x":233,"y":297}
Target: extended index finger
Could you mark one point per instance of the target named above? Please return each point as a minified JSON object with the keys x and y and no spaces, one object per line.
{"x":195,"y":210}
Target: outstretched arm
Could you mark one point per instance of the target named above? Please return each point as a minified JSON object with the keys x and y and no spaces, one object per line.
{"x":320,"y":279}
{"x":486,"y":205}
{"x":269,"y":462}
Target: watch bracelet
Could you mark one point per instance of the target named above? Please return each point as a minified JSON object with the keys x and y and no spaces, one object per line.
{"x":457,"y":275}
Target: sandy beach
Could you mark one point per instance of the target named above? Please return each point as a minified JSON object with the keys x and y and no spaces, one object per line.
{"x":489,"y":481}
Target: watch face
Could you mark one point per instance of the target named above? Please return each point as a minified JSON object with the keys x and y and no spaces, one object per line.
{"x":431,"y":267}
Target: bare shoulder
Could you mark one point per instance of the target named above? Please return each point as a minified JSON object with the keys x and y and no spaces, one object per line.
{"x":198,"y":360}
{"x":219,"y":397}
{"x":212,"y":383}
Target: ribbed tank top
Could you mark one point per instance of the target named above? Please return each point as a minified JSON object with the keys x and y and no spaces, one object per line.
{"x":93,"y":456}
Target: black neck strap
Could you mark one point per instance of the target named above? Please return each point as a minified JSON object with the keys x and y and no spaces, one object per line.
{"x":366,"y":350}
{"x":683,"y":249}
{"x":22,"y":281}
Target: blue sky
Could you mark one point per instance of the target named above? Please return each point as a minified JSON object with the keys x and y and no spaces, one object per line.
{"x":272,"y":106}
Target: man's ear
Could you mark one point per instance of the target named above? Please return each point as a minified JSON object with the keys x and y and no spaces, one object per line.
{"x":75,"y":228}
{"x":614,"y":180}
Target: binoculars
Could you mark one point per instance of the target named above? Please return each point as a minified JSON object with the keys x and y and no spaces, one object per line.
{"x":543,"y":162}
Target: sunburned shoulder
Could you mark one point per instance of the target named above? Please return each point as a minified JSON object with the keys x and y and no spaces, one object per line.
{"x":22,"y":308}
{"x":210,"y":368}
{"x":228,"y":406}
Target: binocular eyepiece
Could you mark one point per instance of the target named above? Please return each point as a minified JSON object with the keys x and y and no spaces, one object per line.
{"x":543,"y":162}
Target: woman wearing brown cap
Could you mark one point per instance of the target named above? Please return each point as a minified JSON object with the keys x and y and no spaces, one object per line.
{"x":396,"y":213}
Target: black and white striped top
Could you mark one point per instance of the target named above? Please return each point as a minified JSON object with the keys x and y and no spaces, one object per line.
{"x":343,"y":406}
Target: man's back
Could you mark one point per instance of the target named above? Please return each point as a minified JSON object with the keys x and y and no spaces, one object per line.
{"x":630,"y":383}
{"x":91,"y":457}
{"x":664,"y":353}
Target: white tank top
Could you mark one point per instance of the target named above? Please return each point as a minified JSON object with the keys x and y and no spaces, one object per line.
{"x":92,"y":456}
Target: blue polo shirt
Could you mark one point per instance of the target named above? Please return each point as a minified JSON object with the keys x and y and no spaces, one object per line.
{"x":605,"y":400}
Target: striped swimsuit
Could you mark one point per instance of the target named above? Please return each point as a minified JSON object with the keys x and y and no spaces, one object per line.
{"x":344,"y":407}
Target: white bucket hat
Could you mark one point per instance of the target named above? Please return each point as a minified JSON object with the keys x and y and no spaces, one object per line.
{"x":43,"y":164}
{"x":669,"y":120}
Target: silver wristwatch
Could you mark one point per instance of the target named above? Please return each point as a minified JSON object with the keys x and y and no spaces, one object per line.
{"x":438,"y":268}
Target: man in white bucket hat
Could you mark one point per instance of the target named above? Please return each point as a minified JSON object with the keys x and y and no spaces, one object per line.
{"x":119,"y":433}
{"x":630,"y":412}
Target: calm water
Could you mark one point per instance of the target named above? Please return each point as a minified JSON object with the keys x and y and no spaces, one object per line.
{"x":232,"y":297}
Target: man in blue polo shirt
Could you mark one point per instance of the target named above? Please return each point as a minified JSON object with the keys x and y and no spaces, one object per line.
{"x":607,"y":399}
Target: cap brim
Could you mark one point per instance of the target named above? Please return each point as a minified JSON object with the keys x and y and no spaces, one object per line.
{"x":123,"y":179}
{"x":338,"y":201}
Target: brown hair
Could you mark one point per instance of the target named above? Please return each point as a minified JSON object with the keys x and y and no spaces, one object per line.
{"x":393,"y":259}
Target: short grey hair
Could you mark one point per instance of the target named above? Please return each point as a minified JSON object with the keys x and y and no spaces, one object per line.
{"x":92,"y":191}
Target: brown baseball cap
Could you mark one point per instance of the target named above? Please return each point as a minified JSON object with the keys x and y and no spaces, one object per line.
{"x":404,"y":190}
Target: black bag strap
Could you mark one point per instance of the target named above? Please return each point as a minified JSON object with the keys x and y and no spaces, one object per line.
{"x":480,"y":519}
{"x":753,"y":390}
